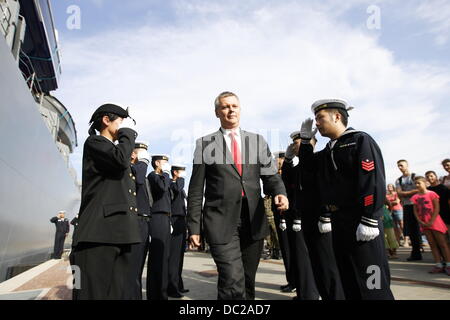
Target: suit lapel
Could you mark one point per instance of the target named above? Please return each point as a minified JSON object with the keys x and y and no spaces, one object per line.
{"x":222,"y":148}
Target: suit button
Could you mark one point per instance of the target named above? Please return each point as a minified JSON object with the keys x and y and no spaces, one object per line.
{"x":131,"y":174}
{"x":135,"y":209}
{"x":134,"y":193}
{"x":134,"y":178}
{"x":131,"y":208}
{"x":129,"y":190}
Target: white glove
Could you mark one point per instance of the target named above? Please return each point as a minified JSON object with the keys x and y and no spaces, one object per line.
{"x":143,"y":155}
{"x":306,"y":130}
{"x":166,"y":167}
{"x":290,"y":153}
{"x":324,"y":225}
{"x":128,"y":123}
{"x":297,"y":226}
{"x":365,"y":233}
{"x":283,"y":225}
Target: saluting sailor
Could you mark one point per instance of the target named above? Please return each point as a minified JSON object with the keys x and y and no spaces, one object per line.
{"x":178,"y":236}
{"x":160,"y":229}
{"x":108,"y":226}
{"x":351,"y":180}
{"x":62,"y":230}
{"x":139,"y":164}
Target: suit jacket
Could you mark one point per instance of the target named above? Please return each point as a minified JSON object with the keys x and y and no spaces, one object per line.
{"x":108,"y":211}
{"x":215,"y":177}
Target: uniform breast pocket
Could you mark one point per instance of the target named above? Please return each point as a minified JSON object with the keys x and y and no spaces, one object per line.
{"x":344,"y":156}
{"x":117,"y":208}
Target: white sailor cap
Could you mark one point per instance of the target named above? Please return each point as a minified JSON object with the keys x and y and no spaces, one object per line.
{"x":330,"y":104}
{"x":62,"y":211}
{"x":178,"y":167}
{"x":141,"y":145}
{"x":295,"y":135}
{"x":279,"y":154}
{"x":160,"y":157}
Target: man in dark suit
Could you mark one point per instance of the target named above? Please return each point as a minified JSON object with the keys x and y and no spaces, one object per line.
{"x":228,"y":166}
{"x":108,"y":225}
{"x":62,"y":229}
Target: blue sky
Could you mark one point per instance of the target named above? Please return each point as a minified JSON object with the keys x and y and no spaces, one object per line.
{"x":168,"y":60}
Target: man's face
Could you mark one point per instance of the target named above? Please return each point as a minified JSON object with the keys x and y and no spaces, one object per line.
{"x":134,"y":156}
{"x":160,"y":163}
{"x":447,"y":166}
{"x":326,"y":122}
{"x":61,"y":215}
{"x":402,"y":166}
{"x":431,"y":177}
{"x":229,"y":112}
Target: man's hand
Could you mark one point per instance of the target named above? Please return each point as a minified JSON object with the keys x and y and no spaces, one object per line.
{"x":306,"y":130}
{"x":290,"y":152}
{"x":281,"y":202}
{"x":194,"y":241}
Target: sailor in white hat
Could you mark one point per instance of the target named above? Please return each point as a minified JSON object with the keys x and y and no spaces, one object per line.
{"x":351,"y":183}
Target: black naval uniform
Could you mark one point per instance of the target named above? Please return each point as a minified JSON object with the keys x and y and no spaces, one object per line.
{"x":144,"y":202}
{"x":300,"y":264}
{"x":351,"y":180}
{"x":62,"y":228}
{"x":178,"y":237}
{"x":158,"y":263}
{"x":108,"y":226}
{"x":320,"y":245}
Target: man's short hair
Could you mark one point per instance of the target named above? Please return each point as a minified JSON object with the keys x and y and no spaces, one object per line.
{"x":224,"y":95}
{"x":401,"y":160}
{"x":431,"y":171}
{"x":420,"y":178}
{"x":445,"y":161}
{"x":343,"y":113}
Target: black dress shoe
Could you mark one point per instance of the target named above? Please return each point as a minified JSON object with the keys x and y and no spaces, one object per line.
{"x":285,"y":286}
{"x":175,"y":295}
{"x":414,"y":259}
{"x":184,"y":290}
{"x":288,"y":289}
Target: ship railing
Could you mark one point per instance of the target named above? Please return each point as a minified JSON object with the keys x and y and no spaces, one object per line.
{"x":30,"y":78}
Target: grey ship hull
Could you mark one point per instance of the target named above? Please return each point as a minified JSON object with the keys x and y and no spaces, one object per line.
{"x":34,"y":179}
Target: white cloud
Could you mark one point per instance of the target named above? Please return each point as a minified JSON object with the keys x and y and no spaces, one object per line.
{"x":437,"y":14}
{"x":278,"y":57}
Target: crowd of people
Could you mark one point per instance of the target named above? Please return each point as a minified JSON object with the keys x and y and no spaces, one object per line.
{"x":323,"y":213}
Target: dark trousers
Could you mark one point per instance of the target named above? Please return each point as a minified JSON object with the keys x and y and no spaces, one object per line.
{"x":138,"y":257}
{"x":58,"y":247}
{"x":237,"y":262}
{"x":283,"y":240}
{"x":362,"y":265}
{"x":158,"y":262}
{"x":301,"y":266}
{"x":323,"y":262}
{"x":177,"y":246}
{"x":412,"y":230}
{"x":104,"y":271}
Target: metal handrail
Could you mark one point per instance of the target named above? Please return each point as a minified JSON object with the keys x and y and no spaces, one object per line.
{"x":5,"y":18}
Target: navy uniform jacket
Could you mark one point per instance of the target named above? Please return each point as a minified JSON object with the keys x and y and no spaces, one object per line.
{"x":289,"y":176}
{"x":143,"y":203}
{"x":178,"y":203}
{"x":350,"y":174}
{"x":62,"y":226}
{"x":108,"y":211}
{"x":160,"y":188}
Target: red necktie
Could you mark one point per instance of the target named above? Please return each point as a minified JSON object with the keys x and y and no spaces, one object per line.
{"x":236,"y":153}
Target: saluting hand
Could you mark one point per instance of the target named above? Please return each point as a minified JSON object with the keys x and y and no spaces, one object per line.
{"x":281,"y":202}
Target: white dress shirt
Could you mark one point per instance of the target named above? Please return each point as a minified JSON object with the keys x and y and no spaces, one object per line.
{"x":227,"y":136}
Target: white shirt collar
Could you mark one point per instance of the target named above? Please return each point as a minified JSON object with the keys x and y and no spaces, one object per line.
{"x":226,"y":132}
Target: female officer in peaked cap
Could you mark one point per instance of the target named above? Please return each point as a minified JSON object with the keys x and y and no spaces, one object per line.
{"x":108,"y":225}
